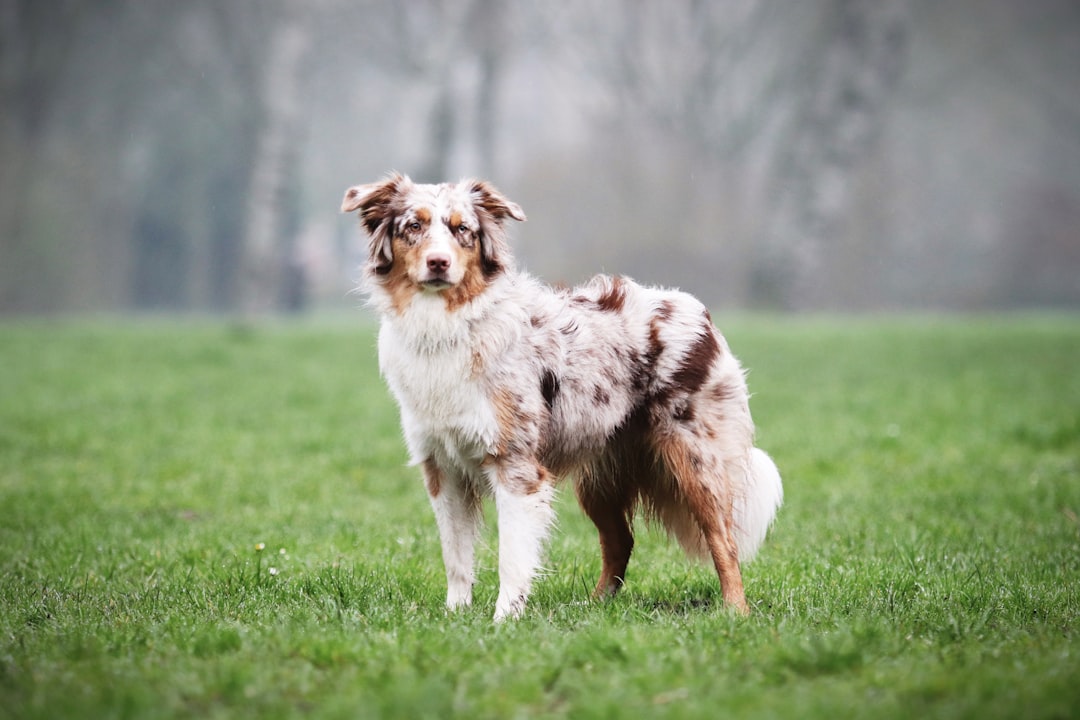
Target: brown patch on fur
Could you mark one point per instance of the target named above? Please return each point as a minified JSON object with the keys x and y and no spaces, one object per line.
{"x":710,"y":505}
{"x":724,"y":392}
{"x":472,"y":284}
{"x":492,"y":208}
{"x":549,"y":388}
{"x":433,"y":478}
{"x":709,"y":431}
{"x":656,"y":345}
{"x":423,"y":215}
{"x":645,"y":364}
{"x":611,"y":513}
{"x":684,"y":413}
{"x":520,"y":477}
{"x":725,"y":554}
{"x":399,"y":286}
{"x":614,"y":297}
{"x":601,"y":396}
{"x":543,"y":477}
{"x":491,"y":262}
{"x":350,"y":202}
{"x":698,"y":362}
{"x":506,"y":407}
{"x":477,"y":364}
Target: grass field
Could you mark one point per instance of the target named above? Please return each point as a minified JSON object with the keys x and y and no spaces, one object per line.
{"x":204,"y":520}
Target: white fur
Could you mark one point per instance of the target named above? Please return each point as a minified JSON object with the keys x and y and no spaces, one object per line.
{"x":523,"y":526}
{"x":756,"y":506}
{"x":457,"y":514}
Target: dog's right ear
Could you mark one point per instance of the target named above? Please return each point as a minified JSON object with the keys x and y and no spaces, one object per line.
{"x":378,"y":204}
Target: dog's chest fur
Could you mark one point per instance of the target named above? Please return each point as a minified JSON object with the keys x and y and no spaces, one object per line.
{"x":428,"y":357}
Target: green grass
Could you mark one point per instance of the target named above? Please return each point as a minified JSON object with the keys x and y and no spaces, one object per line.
{"x":926,"y":563}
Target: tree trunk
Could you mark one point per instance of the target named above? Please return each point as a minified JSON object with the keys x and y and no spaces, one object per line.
{"x":32,"y":65}
{"x":839,"y":119}
{"x":490,"y":34}
{"x":266,"y":250}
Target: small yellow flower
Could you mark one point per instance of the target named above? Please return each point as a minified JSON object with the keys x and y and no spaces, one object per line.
{"x":259,"y":547}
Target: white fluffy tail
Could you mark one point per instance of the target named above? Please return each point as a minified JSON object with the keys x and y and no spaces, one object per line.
{"x":756,"y":506}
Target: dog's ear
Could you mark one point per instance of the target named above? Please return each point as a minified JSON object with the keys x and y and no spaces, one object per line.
{"x":492,"y":209}
{"x":378,"y":203}
{"x":493,"y":202}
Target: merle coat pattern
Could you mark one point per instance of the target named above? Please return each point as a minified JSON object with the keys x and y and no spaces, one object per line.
{"x":505,"y":385}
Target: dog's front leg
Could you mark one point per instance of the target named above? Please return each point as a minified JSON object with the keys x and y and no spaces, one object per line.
{"x":457,"y":513}
{"x":523,"y":493}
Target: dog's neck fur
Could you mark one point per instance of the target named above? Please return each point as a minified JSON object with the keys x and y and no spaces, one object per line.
{"x":425,"y":326}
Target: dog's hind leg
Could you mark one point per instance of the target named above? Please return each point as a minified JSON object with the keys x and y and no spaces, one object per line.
{"x":523,"y":495}
{"x":702,"y":482}
{"x":457,"y":513}
{"x":608,"y":505}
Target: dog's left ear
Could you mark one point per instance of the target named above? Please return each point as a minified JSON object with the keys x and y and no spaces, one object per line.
{"x":378,"y":205}
{"x":492,"y":209}
{"x":494,"y":203}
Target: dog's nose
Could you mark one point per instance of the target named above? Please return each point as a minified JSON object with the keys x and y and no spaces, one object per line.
{"x":438,"y":263}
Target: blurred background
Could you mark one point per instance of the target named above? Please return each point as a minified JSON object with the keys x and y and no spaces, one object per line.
{"x":819,"y":155}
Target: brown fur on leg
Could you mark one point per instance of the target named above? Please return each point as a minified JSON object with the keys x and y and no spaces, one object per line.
{"x":611,"y":515}
{"x":711,"y":509}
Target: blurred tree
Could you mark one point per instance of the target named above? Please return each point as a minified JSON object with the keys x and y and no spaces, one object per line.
{"x":269,"y":279}
{"x":217,"y":219}
{"x":36,"y":43}
{"x":685,"y":92}
{"x":194,"y":133}
{"x":456,"y":51}
{"x":490,"y":37}
{"x":189,"y":155}
{"x":842,"y":91}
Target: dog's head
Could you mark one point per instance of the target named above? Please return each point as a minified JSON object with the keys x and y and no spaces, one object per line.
{"x":433,"y":238}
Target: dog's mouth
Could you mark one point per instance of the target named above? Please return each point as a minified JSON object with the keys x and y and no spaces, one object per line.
{"x":435,"y":283}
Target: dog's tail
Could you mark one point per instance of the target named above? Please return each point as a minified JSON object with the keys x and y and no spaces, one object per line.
{"x":756,"y":506}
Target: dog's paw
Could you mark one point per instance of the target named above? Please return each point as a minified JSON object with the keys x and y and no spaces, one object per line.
{"x":458,"y":600}
{"x":509,"y":609}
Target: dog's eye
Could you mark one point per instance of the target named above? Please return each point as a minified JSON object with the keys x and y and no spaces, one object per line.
{"x":414,"y":226}
{"x":463,"y":228}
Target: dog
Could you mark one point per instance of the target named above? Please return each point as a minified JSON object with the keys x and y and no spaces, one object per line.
{"x":505,"y":384}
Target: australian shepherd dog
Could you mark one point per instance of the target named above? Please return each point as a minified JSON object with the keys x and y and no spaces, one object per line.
{"x":505,"y":385}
